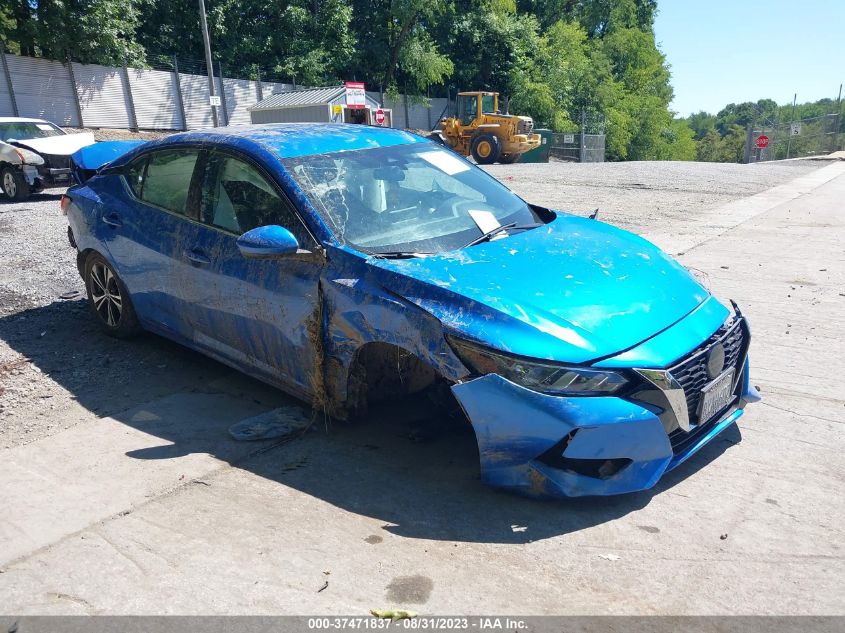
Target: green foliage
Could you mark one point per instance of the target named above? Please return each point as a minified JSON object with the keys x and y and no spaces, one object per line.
{"x":92,"y":31}
{"x":556,"y":60}
{"x":715,"y":148}
{"x":722,"y":137}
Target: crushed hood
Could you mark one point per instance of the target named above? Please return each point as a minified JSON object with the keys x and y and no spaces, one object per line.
{"x":574,"y":290}
{"x":64,"y":145}
{"x":92,"y":157}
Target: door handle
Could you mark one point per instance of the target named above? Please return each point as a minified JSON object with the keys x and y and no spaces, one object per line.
{"x":112,"y":219}
{"x":198,"y":257}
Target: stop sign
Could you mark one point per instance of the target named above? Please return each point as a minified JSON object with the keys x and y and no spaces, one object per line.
{"x":380,"y":116}
{"x":762,"y":141}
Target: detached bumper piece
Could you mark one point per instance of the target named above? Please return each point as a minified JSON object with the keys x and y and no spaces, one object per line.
{"x":552,"y":446}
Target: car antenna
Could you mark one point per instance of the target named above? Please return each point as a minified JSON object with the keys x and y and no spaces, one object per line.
{"x":594,"y":214}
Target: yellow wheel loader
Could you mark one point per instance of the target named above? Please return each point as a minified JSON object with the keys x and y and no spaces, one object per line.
{"x":480,"y":130}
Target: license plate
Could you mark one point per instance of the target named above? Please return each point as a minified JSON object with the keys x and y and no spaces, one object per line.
{"x":716,"y":396}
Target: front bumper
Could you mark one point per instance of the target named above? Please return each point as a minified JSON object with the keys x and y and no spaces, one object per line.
{"x":543,"y":445}
{"x":55,"y":176}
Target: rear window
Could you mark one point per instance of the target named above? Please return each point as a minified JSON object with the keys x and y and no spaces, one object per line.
{"x":167,"y":179}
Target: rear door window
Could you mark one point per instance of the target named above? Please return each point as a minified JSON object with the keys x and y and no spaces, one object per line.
{"x":167,"y":180}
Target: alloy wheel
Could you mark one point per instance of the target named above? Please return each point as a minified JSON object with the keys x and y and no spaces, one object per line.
{"x":10,"y":187}
{"x":105,"y":294}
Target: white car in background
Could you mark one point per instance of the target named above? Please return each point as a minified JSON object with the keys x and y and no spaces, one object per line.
{"x":35,"y":155}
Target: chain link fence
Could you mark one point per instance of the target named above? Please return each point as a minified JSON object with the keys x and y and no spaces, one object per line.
{"x":583,"y":146}
{"x":811,"y":136}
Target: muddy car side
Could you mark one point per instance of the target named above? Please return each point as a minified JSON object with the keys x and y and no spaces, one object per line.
{"x":587,"y":361}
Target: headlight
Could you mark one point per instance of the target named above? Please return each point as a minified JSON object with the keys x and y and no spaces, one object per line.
{"x":537,"y":375}
{"x":29,"y":158}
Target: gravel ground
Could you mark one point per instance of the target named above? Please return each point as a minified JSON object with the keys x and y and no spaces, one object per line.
{"x":43,"y":318}
{"x":644,"y":196}
{"x":106,"y":134}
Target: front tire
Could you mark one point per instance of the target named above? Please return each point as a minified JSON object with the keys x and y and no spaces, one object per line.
{"x":485,"y":149}
{"x":108,"y":298}
{"x":15,"y":187}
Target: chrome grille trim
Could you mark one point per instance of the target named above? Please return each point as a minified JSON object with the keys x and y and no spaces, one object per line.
{"x":691,"y":371}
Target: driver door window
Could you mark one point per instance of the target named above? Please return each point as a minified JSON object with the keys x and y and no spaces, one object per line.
{"x":237,"y":199}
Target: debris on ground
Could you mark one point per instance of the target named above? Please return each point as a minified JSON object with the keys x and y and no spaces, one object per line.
{"x":273,"y":424}
{"x":393,"y":614}
{"x":609,"y":556}
{"x":325,"y":586}
{"x":723,"y":536}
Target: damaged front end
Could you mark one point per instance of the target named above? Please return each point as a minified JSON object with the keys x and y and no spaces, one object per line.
{"x":617,"y":431}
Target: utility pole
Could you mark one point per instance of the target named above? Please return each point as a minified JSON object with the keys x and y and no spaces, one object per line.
{"x":838,"y":120}
{"x":789,"y":138}
{"x":208,"y":64}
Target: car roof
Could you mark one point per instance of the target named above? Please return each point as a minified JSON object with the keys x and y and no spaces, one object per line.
{"x":18,"y":119}
{"x":290,"y":140}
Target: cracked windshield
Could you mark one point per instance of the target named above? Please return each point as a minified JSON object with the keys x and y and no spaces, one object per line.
{"x":412,"y":199}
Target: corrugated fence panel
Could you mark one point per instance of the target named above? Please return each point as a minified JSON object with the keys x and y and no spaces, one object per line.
{"x":398,"y":112}
{"x":195,"y":98}
{"x":439,"y":109}
{"x":5,"y":98}
{"x":270,"y":88}
{"x":419,"y":117}
{"x":240,"y":94}
{"x":156,"y":101}
{"x":102,"y":96}
{"x":43,"y":89}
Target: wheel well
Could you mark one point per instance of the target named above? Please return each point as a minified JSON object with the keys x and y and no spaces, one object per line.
{"x":382,"y":370}
{"x":81,"y":256}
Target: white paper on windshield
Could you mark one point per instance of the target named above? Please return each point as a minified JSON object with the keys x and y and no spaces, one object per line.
{"x":445,"y":161}
{"x":45,"y":127}
{"x":485,"y":220}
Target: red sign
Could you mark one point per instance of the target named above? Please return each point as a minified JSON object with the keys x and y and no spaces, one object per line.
{"x":380,"y":116}
{"x":762,"y":141}
{"x":356,"y":95}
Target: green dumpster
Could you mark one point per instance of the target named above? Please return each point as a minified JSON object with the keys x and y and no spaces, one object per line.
{"x":539,"y":154}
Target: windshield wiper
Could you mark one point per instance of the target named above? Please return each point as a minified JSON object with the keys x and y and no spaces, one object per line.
{"x":398,"y":254}
{"x":494,"y":232}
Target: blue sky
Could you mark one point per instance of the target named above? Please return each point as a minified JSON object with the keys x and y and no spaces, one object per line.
{"x":724,"y":52}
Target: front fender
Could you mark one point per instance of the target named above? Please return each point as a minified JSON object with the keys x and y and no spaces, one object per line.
{"x":358,"y":310}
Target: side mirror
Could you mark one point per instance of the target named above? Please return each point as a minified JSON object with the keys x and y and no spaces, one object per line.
{"x":266,"y":242}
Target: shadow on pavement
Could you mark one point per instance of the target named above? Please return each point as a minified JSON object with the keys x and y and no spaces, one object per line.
{"x":426,"y":490}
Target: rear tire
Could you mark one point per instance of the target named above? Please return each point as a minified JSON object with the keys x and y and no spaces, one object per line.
{"x":485,"y":149}
{"x":509,"y":159}
{"x":15,"y":187}
{"x":108,"y":299}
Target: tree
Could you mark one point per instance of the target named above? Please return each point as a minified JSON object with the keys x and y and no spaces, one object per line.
{"x":304,"y":40}
{"x":701,"y":123}
{"x":389,"y":32}
{"x":88,"y":31}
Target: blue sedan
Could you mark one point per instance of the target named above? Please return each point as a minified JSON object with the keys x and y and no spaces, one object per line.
{"x":344,"y":264}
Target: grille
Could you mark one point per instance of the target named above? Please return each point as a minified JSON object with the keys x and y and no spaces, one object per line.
{"x":691,"y":373}
{"x":56,"y":161}
{"x":525,"y":127}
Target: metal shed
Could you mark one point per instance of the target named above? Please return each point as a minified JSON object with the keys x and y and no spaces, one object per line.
{"x":319,"y":105}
